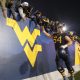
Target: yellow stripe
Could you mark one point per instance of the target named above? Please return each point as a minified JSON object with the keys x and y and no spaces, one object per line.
{"x":77,"y":53}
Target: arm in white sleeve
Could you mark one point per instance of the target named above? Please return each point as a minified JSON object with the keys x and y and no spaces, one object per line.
{"x":21,"y":13}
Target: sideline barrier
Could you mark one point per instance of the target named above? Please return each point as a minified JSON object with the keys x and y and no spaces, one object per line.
{"x":18,"y":67}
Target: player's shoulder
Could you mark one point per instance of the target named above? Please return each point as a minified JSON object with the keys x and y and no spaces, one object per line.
{"x":65,"y":34}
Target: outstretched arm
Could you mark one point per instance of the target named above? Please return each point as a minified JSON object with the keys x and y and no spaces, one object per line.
{"x":3,"y":3}
{"x":47,"y":34}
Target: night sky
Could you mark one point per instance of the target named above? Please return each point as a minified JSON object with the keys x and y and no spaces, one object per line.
{"x":62,"y":10}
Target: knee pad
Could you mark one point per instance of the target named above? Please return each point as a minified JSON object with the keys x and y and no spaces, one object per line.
{"x":71,"y":71}
{"x":60,"y":69}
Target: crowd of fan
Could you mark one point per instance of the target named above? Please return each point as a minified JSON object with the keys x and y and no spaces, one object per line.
{"x":22,"y":10}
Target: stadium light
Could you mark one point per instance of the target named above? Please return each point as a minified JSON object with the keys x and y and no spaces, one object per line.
{"x":65,"y":28}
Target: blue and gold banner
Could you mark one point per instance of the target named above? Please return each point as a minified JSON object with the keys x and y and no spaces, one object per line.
{"x":26,"y":52}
